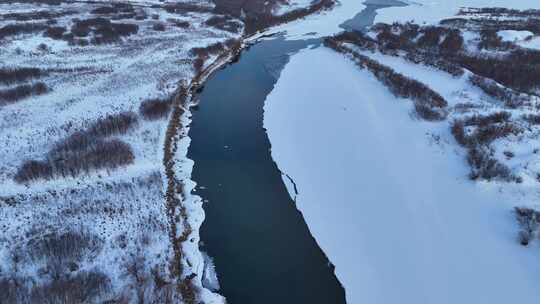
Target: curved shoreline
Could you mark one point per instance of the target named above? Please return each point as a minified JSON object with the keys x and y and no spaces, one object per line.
{"x":182,"y":207}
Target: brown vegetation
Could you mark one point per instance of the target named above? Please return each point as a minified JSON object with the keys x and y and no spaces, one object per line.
{"x":529,"y":222}
{"x":35,"y":15}
{"x":184,"y":7}
{"x":160,"y":27}
{"x":104,"y":31}
{"x":510,"y":98}
{"x":428,"y":104}
{"x":520,"y":70}
{"x":224,"y":23}
{"x":84,"y":151}
{"x":17,"y":93}
{"x":153,"y":109}
{"x":14,"y":75}
{"x":109,"y":154}
{"x":21,"y":28}
{"x":479,"y":154}
{"x":256,"y":22}
{"x":55,"y":32}
{"x":202,"y":54}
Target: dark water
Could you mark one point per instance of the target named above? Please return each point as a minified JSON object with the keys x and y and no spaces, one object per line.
{"x":261,"y":245}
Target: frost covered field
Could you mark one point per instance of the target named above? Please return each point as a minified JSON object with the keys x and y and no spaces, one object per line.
{"x":406,"y":209}
{"x":434,"y":10}
{"x":85,"y":94}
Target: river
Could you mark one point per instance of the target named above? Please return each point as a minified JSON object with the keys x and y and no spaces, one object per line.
{"x":261,"y":246}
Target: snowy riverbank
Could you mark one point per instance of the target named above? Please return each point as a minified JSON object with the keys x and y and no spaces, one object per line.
{"x":429,"y":11}
{"x":387,"y":201}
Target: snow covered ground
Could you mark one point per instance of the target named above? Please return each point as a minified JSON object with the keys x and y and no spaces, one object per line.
{"x":290,"y":5}
{"x":323,"y":24}
{"x":124,"y":208}
{"x":432,"y":11}
{"x":387,"y":197}
{"x":524,"y":39}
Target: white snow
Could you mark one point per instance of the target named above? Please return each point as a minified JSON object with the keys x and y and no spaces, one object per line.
{"x":322,"y":24}
{"x":389,"y":202}
{"x":511,"y":35}
{"x":431,"y":11}
{"x":291,"y":5}
{"x":86,"y":84}
{"x":534,"y":43}
{"x":524,"y":39}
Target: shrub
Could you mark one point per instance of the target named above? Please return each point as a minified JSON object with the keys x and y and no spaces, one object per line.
{"x":202,"y":54}
{"x":55,"y":32}
{"x":103,"y":10}
{"x":34,"y":170}
{"x":13,"y":75}
{"x":119,"y":123}
{"x":429,"y":104}
{"x":79,"y":42}
{"x":224,"y":23}
{"x":533,"y":119}
{"x":158,"y":27}
{"x":458,"y":130}
{"x":184,"y":7}
{"x":141,"y":15}
{"x":486,"y":167}
{"x":111,"y":125}
{"x":485,"y":120}
{"x":116,"y":8}
{"x":529,"y":222}
{"x":114,"y":32}
{"x":453,"y":42}
{"x":258,"y":21}
{"x":487,"y":134}
{"x":479,"y":156}
{"x":20,"y":28}
{"x":431,"y":36}
{"x":27,"y":16}
{"x":509,"y":97}
{"x":153,"y":109}
{"x":437,"y":62}
{"x":21,"y":92}
{"x":84,"y":287}
{"x":99,"y":154}
{"x":61,"y":251}
{"x":357,"y":39}
{"x":84,"y":151}
{"x":12,"y":290}
{"x":489,"y":39}
{"x":56,"y":257}
{"x":428,"y":112}
{"x":104,"y":30}
{"x":517,"y":71}
{"x":178,"y":23}
{"x":390,"y":41}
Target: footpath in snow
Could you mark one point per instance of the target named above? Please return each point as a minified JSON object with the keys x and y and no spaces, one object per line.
{"x":390,"y":206}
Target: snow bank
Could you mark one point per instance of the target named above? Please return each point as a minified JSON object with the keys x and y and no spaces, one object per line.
{"x":431,"y":11}
{"x":321,"y":24}
{"x":534,"y":43}
{"x":291,"y":5}
{"x":512,"y":36}
{"x":524,"y":39}
{"x":387,"y":200}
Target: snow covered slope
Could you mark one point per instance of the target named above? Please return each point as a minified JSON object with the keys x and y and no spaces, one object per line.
{"x":112,"y":221}
{"x":432,"y":11}
{"x":387,"y":197}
